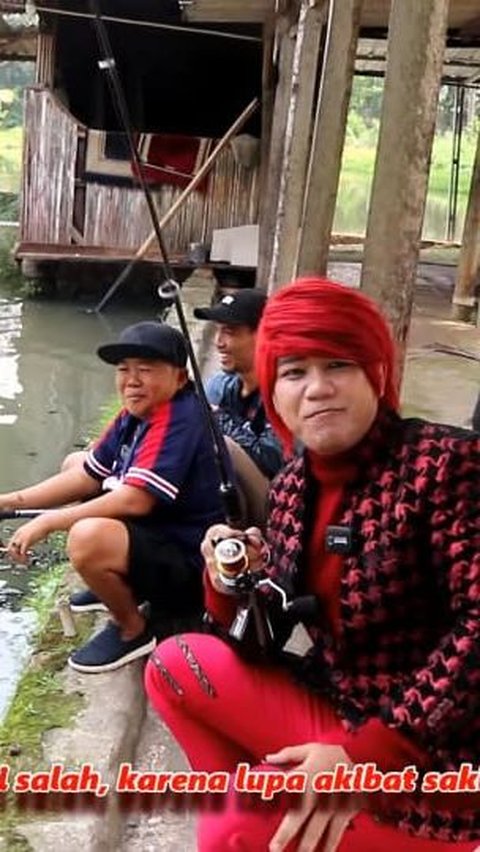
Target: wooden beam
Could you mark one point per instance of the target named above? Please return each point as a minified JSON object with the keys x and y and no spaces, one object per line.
{"x":228,"y":11}
{"x":297,"y":141}
{"x":268,"y":102}
{"x":328,"y":137}
{"x":285,"y":36}
{"x":22,"y":47}
{"x":7,"y":6}
{"x":416,"y":45}
{"x":464,"y":296}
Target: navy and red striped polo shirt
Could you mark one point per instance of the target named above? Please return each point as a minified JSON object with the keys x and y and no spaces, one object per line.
{"x":170,"y":454}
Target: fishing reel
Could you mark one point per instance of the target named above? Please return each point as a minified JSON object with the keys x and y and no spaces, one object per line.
{"x":168,"y":293}
{"x":265,"y":616}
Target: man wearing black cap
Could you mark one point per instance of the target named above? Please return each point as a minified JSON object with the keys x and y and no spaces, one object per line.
{"x":150,"y":489}
{"x":233,"y":393}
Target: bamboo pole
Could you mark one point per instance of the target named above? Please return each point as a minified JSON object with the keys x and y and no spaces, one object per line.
{"x":240,"y":121}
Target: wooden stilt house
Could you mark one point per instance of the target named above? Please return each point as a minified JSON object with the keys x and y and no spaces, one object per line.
{"x":185,"y":82}
{"x":189,"y":68}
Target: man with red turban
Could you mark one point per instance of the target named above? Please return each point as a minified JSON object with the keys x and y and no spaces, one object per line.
{"x":376,"y":520}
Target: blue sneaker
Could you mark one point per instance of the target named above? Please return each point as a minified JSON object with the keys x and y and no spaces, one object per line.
{"x":86,"y":601}
{"x":107,"y":650}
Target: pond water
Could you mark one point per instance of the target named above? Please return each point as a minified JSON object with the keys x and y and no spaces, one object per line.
{"x":52,"y":388}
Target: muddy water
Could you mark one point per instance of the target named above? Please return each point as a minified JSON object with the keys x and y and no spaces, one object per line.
{"x":52,"y":387}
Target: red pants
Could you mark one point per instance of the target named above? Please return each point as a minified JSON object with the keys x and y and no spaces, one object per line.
{"x":223,"y":712}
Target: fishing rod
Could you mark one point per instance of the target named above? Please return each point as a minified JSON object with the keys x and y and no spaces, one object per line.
{"x":24,"y":514}
{"x":170,"y":290}
{"x":171,"y":212}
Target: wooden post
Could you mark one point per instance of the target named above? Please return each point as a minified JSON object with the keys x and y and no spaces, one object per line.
{"x":45,"y":64}
{"x":268,"y":101}
{"x":296,"y":141}
{"x":463,"y":307}
{"x":328,"y":136}
{"x":286,"y":44}
{"x":416,"y":45}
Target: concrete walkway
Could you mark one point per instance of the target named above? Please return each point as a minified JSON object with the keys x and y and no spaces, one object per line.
{"x":115,"y":727}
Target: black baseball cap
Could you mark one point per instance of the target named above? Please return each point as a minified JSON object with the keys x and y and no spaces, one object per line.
{"x":242,"y":308}
{"x":148,"y":339}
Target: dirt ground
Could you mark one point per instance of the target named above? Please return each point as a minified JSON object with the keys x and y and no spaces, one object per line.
{"x":442,"y":371}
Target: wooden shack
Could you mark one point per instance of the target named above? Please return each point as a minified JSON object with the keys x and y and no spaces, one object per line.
{"x":189,"y":68}
{"x":185,"y":84}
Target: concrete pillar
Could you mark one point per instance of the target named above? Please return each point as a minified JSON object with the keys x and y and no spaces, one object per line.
{"x":468,"y":271}
{"x":297,"y":138}
{"x":416,"y":45}
{"x":329,"y":136}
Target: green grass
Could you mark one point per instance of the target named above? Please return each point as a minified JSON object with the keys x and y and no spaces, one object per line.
{"x":40,"y":703}
{"x":11,"y":141}
{"x":359,"y":160}
{"x":9,"y":270}
{"x":441,"y":164}
{"x":108,"y":411}
{"x":9,"y":206}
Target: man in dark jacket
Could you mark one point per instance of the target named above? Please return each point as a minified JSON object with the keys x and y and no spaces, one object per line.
{"x":233,"y":393}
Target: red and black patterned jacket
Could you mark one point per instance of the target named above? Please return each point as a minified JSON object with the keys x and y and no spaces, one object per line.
{"x":409,"y":646}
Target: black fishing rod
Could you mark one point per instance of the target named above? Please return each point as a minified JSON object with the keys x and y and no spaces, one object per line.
{"x":170,"y":290}
{"x":22,"y":514}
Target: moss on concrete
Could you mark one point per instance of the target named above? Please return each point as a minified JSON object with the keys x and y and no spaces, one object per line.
{"x":40,"y":702}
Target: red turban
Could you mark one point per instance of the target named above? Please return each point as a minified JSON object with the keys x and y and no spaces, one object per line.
{"x":315,"y":316}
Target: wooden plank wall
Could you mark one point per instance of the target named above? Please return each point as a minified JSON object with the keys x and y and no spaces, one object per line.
{"x":50,"y":149}
{"x":118,"y":216}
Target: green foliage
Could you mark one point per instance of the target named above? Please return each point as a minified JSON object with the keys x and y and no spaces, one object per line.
{"x":16,"y":74}
{"x":366,"y":108}
{"x":9,"y":206}
{"x":108,"y":411}
{"x":11,"y":107}
{"x":10,"y":159}
{"x":359,"y":155}
{"x":440,"y":166}
{"x":9,"y":271}
{"x":44,"y":588}
{"x":366,"y":100}
{"x":40,"y":703}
